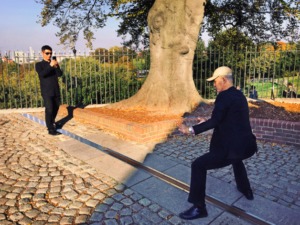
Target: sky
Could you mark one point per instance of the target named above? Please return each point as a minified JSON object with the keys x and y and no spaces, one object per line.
{"x":20,"y":30}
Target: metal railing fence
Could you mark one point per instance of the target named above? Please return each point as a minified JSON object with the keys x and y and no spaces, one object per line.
{"x":110,"y":76}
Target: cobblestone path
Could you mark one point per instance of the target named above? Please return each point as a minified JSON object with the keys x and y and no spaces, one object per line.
{"x":41,"y":184}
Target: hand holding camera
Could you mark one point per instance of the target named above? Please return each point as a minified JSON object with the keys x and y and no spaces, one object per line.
{"x":54,"y":62}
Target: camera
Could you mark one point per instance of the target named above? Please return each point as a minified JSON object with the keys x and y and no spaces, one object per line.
{"x":54,"y":57}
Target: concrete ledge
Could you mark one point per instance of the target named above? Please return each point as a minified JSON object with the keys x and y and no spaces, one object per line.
{"x":21,"y":110}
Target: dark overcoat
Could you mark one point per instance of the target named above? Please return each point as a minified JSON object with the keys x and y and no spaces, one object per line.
{"x":232,"y":136}
{"x":48,"y":76}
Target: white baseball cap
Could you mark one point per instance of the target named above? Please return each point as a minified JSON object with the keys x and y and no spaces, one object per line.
{"x":220,"y":72}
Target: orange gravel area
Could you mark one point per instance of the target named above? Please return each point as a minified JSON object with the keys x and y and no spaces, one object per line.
{"x":266,"y":110}
{"x":289,"y":107}
{"x":138,"y":116}
{"x":275,"y":111}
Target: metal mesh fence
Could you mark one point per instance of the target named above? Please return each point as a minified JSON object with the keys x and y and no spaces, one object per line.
{"x":110,"y":76}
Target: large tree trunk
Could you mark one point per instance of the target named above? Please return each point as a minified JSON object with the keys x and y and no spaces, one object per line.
{"x":174,"y":28}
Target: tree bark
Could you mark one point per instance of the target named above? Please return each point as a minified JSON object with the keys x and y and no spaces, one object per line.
{"x":174,"y":29}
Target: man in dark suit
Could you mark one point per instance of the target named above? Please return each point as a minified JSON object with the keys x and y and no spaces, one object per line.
{"x":49,"y":71}
{"x":232,"y":141}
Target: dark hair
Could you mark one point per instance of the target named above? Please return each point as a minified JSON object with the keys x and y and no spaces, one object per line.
{"x":46,"y":47}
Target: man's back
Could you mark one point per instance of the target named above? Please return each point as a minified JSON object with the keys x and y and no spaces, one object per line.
{"x":232,"y":137}
{"x":233,"y":126}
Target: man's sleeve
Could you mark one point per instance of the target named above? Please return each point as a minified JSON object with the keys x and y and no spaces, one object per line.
{"x":217,"y":116}
{"x":44,"y":70}
{"x":58,"y":71}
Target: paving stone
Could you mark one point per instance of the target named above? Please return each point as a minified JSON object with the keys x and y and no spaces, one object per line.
{"x":101,"y":208}
{"x":127,"y":220}
{"x":16,"y":216}
{"x":118,"y":196}
{"x":54,"y":195}
{"x":70,"y":212}
{"x":164,"y":214}
{"x":82,"y":219}
{"x":136,"y":196}
{"x":92,"y":191}
{"x":99,"y":196}
{"x":175,"y":220}
{"x":40,"y":203}
{"x":108,"y":201}
{"x":110,"y":222}
{"x":54,"y":218}
{"x":111,"y":192}
{"x":25,"y":207}
{"x":145,"y":202}
{"x":2,"y":217}
{"x":2,"y":193}
{"x":64,"y":203}
{"x":25,"y":221}
{"x":12,"y":210}
{"x":127,"y":201}
{"x":3,"y":201}
{"x":38,"y":197}
{"x":103,"y":187}
{"x":41,"y":191}
{"x":136,"y":207}
{"x":120,"y":187}
{"x":32,"y":213}
{"x":58,"y":211}
{"x":116,"y":206}
{"x":126,"y":212}
{"x":154,"y":207}
{"x":111,"y":214}
{"x":46,"y":208}
{"x":153,"y":217}
{"x":128,"y":192}
{"x":97,"y":216}
{"x":12,"y":195}
{"x":38,"y":222}
{"x":139,"y":219}
{"x":85,"y":210}
{"x":55,"y":189}
{"x":75,"y":205}
{"x":92,"y":203}
{"x":66,"y":220}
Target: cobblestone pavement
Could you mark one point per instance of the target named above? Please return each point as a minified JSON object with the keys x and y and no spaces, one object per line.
{"x":41,"y":184}
{"x":273,"y":172}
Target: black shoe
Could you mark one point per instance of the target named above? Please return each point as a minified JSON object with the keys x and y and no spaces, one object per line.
{"x":248,"y":193}
{"x":53,"y":132}
{"x":58,"y":125}
{"x":193,"y":213}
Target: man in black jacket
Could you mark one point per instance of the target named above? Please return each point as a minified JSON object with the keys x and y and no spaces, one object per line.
{"x":232,"y":141}
{"x":49,"y":71}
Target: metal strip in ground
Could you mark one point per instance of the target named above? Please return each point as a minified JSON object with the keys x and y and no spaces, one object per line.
{"x":183,"y":186}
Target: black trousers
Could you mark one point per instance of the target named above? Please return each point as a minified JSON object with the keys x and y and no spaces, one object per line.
{"x":210,"y":161}
{"x":51,"y":109}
